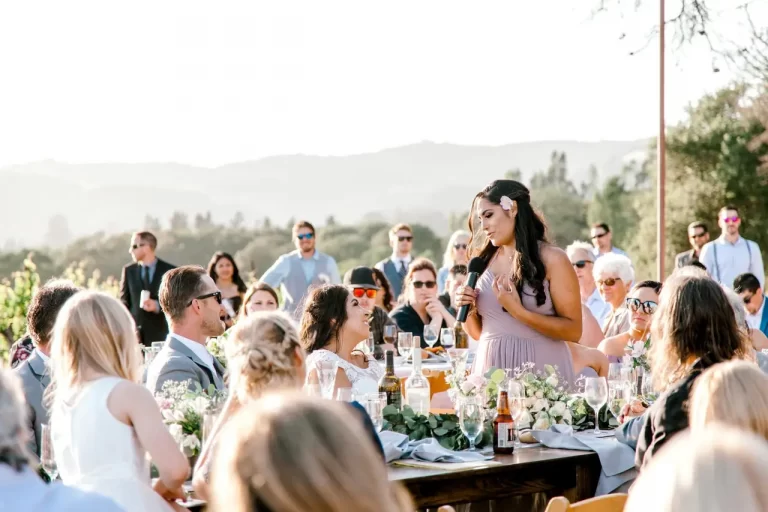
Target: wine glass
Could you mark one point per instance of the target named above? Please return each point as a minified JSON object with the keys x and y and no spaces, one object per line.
{"x":405,"y":344}
{"x":647,"y":389}
{"x":47,"y":458}
{"x":447,"y":338}
{"x":374,"y":405}
{"x":326,"y":374}
{"x":430,"y":335}
{"x":614,"y":372}
{"x":471,"y":419}
{"x":390,"y":334}
{"x":619,"y":394}
{"x":596,"y":394}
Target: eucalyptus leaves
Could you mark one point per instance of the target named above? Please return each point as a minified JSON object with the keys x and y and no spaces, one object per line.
{"x":443,"y":427}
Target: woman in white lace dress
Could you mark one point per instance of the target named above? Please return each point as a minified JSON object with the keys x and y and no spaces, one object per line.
{"x":332,"y":325}
{"x":103,"y":421}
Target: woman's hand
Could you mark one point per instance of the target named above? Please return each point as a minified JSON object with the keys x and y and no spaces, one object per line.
{"x":466,"y":296}
{"x":506,"y":294}
{"x":435,"y":310}
{"x":169,"y":494}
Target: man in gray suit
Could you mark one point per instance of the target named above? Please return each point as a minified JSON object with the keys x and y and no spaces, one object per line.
{"x":33,"y":372}
{"x":396,"y":266}
{"x":192,"y":304}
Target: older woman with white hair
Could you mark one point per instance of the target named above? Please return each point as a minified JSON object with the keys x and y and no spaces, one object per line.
{"x":614,"y":275}
{"x":20,"y":487}
{"x":455,"y":254}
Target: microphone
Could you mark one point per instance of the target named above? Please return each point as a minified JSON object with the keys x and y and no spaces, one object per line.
{"x":475,"y":268}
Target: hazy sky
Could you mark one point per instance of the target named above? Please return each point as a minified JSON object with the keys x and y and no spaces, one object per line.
{"x":215,"y":82}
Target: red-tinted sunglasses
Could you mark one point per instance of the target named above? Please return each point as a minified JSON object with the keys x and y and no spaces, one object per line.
{"x":731,"y":220}
{"x":359,"y":292}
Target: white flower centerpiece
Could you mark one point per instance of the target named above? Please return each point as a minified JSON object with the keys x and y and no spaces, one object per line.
{"x":638,"y":351}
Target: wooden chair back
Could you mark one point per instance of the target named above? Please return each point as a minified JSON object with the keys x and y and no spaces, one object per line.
{"x":607,"y":503}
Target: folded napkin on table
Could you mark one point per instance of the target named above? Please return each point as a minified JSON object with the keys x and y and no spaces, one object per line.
{"x":617,"y":459}
{"x":398,"y":446}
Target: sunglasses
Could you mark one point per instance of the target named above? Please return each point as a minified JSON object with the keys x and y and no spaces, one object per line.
{"x":136,"y":246}
{"x":580,"y":263}
{"x":360,"y":292}
{"x":460,"y":246}
{"x":428,"y":284}
{"x":731,"y":220}
{"x":698,"y":235}
{"x":404,"y":238}
{"x":608,"y":282}
{"x":306,"y":236}
{"x":216,"y":295}
{"x":598,"y":235}
{"x":649,"y":307}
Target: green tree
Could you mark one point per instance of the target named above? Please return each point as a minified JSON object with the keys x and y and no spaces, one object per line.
{"x":179,"y":221}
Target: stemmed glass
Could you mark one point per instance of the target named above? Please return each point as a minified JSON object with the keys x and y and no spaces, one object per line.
{"x":471,"y":412}
{"x":614,"y":372}
{"x":405,"y":344}
{"x":596,"y":394}
{"x":647,"y":390}
{"x":374,"y":405}
{"x":430,"y":335}
{"x":326,"y":374}
{"x":447,"y":338}
{"x":619,"y":394}
{"x":516,"y":398}
{"x":47,"y":458}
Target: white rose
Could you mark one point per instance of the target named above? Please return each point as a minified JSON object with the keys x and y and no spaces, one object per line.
{"x":567,"y":418}
{"x":192,"y":442}
{"x":168,"y":415}
{"x":638,"y":350}
{"x":466,"y":387}
{"x":525,"y":420}
{"x":558,"y":409}
{"x":530,"y":401}
{"x":542,"y":423}
{"x":178,"y":415}
{"x":539,"y":394}
{"x":552,"y":381}
{"x":201,"y":405}
{"x":541,"y":405}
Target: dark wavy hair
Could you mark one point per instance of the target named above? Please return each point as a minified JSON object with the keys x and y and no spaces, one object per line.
{"x":653,"y":285}
{"x":325,"y":313}
{"x":530,"y":230}
{"x":217,"y":256}
{"x":386,"y":288}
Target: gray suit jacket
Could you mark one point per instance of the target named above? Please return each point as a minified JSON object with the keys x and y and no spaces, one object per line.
{"x":35,"y":377}
{"x":177,"y":363}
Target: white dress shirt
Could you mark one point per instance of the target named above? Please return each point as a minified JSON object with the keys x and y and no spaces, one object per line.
{"x":42,"y":356}
{"x":754,"y":320}
{"x":400,"y":261}
{"x":732,"y":259}
{"x":199,"y":350}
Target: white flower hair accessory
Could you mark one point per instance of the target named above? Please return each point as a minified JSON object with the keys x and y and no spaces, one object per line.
{"x":506,"y":203}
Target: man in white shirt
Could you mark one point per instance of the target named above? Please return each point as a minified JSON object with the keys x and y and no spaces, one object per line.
{"x":730,"y":254}
{"x":583,"y":260}
{"x":34,"y":372}
{"x":192,"y":303}
{"x":748,"y":288}
{"x":396,"y":266}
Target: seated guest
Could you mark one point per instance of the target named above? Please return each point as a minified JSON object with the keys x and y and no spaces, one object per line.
{"x":583,"y":260}
{"x":641,"y":301}
{"x":386,"y":300}
{"x":293,"y":452}
{"x":694,"y":328}
{"x":455,"y":254}
{"x":456,"y":278}
{"x":259,"y":297}
{"x":717,"y":468}
{"x":613,"y":274}
{"x":34,"y":372}
{"x":225,"y":274}
{"x":20,"y":486}
{"x":748,"y":287}
{"x":422,"y":306}
{"x":733,"y":393}
{"x":361,"y":282}
{"x":332,"y":325}
{"x":192,"y":303}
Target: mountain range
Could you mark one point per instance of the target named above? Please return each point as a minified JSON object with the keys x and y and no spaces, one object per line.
{"x":418,"y":182}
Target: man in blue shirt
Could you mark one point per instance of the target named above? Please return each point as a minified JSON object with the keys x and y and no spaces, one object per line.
{"x":602,"y":239}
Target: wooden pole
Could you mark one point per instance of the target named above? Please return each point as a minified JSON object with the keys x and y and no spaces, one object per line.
{"x":661,"y":156}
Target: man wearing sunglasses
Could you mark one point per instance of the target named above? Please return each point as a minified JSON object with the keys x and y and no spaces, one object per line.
{"x":192,"y":304}
{"x":748,"y":288}
{"x":140,"y":285}
{"x":602,"y":239}
{"x":730,"y":254}
{"x":302,"y":269}
{"x":698,"y":235}
{"x":396,"y":266}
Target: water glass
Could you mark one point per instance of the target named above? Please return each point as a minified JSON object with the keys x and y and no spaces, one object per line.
{"x":619,"y":394}
{"x":471,"y":411}
{"x":47,"y":458}
{"x":374,"y":405}
{"x":647,"y":389}
{"x":405,"y":344}
{"x":447,"y":339}
{"x":326,"y":374}
{"x":430,"y":335}
{"x":596,"y":394}
{"x":614,"y":371}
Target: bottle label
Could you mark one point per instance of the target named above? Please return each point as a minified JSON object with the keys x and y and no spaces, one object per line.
{"x":506,"y":435}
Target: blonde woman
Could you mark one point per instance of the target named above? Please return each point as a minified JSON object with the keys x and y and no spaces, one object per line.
{"x":263,"y":351}
{"x":733,"y":393}
{"x":455,"y":254}
{"x":709,"y":470}
{"x":292,"y":453}
{"x":103,"y":420}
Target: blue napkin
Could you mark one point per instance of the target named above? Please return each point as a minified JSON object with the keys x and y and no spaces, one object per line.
{"x":398,"y":446}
